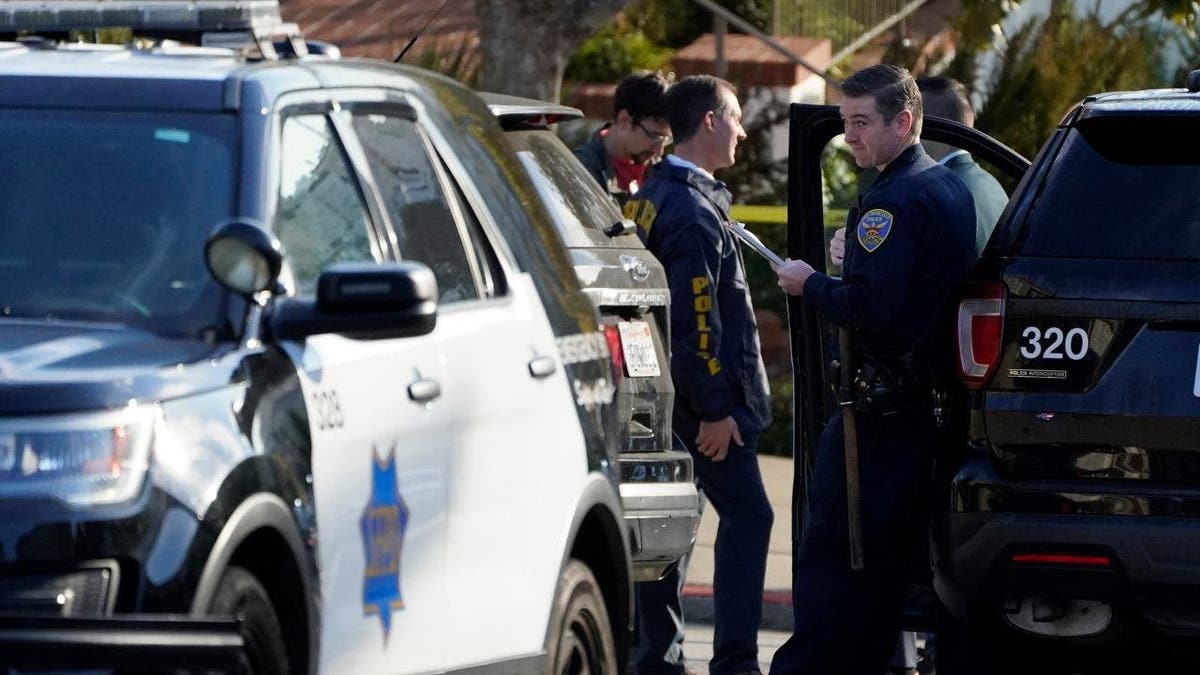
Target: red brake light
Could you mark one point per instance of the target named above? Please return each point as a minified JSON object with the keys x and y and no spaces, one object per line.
{"x":1072,"y":560}
{"x":978,"y":330}
{"x":613,"y":336}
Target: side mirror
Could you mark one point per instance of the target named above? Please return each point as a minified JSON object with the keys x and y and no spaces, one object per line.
{"x":364,"y":301}
{"x":243,"y":257}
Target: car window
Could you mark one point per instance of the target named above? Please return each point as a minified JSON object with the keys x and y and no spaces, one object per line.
{"x":482,"y":256}
{"x":322,"y":218}
{"x":567,"y":190}
{"x":424,"y":220}
{"x":1112,"y":193}
{"x":106,"y":214}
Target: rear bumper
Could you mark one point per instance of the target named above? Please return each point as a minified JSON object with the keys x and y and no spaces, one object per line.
{"x":662,"y":515}
{"x":1154,"y":559}
{"x":133,"y":642}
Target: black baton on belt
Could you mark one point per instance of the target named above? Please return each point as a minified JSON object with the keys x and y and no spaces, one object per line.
{"x":850,"y":445}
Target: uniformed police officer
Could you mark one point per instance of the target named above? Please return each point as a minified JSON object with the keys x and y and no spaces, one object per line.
{"x":721,"y":397}
{"x":908,"y":241}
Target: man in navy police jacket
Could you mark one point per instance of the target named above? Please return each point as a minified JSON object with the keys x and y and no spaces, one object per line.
{"x":721,"y":401}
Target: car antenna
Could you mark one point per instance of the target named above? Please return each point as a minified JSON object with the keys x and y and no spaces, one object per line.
{"x":414,"y":38}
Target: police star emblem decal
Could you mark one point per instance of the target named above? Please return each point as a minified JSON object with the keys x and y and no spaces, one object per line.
{"x":383,"y":522}
{"x":874,"y":226}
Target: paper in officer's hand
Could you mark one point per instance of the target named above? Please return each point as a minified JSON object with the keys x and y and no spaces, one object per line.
{"x":750,"y":239}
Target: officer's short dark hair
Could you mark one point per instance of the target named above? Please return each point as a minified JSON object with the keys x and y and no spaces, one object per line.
{"x":642,"y":95}
{"x":690,"y":99}
{"x":893,"y":89}
{"x":946,"y":97}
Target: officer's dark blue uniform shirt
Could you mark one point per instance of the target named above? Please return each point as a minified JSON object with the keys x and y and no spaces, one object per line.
{"x":716,"y":359}
{"x":909,"y":240}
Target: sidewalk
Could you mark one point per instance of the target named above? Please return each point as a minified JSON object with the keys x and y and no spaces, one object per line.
{"x":777,"y":593}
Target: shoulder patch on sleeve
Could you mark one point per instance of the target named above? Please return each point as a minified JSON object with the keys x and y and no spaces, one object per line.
{"x":642,"y":212}
{"x":873,"y":227}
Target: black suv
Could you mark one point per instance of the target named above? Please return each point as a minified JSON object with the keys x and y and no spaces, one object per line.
{"x":1065,"y":521}
{"x":1073,"y":510}
{"x":628,"y":286}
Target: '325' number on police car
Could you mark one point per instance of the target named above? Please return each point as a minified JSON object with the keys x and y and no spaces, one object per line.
{"x":327,"y":410}
{"x":1054,"y":343}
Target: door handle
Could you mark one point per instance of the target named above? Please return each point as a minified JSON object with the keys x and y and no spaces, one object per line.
{"x":424,"y":391}
{"x":542,"y":366}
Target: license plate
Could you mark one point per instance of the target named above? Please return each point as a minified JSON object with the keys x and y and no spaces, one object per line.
{"x":638,"y":345}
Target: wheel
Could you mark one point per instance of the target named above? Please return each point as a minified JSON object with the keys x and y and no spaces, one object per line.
{"x":240,"y":594}
{"x":580,"y":640}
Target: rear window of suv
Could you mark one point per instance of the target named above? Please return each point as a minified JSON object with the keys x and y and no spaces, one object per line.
{"x":568,"y":191}
{"x":1122,"y":187}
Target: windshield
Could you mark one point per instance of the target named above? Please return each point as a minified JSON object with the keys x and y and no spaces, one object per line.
{"x":1122,"y":187}
{"x":105,"y":215}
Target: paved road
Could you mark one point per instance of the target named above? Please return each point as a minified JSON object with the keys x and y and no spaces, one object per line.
{"x":697,"y":647}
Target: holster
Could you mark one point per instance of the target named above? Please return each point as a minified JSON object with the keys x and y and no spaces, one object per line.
{"x":878,"y":391}
{"x":899,"y":385}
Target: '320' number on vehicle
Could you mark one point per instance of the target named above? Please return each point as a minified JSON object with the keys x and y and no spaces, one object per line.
{"x":1054,"y":343}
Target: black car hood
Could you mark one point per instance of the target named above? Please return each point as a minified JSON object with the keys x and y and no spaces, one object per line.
{"x":67,"y":367}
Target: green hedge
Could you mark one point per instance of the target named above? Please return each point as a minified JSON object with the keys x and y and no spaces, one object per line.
{"x":770,"y":224}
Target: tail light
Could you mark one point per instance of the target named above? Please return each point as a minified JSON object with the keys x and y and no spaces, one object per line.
{"x":1065,"y":559}
{"x":978,"y":329}
{"x":613,"y":336}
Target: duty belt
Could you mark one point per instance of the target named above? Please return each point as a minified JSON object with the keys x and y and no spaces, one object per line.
{"x":891,"y":389}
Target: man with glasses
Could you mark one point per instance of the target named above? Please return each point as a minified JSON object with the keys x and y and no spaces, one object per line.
{"x":619,"y":153}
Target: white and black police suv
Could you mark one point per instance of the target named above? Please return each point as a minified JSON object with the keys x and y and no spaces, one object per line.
{"x":1066,"y":511}
{"x":290,"y":380}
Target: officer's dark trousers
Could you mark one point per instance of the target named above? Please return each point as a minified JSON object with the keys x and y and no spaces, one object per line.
{"x":846,"y":622}
{"x":734,"y":488}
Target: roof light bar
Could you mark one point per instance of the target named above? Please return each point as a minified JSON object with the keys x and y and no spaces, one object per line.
{"x":257,"y":17}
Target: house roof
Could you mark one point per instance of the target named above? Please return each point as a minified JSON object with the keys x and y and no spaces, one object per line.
{"x":450,"y":43}
{"x":751,"y":62}
{"x":380,"y":28}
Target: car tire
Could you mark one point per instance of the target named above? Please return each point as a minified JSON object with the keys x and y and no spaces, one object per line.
{"x":580,"y":639}
{"x":241,"y":595}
